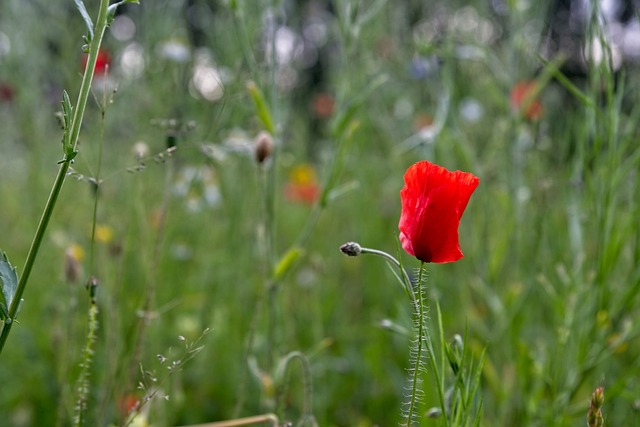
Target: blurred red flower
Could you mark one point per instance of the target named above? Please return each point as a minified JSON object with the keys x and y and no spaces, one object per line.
{"x":6,"y":92}
{"x":102,"y":62}
{"x":302,"y":186}
{"x":323,"y":105}
{"x":433,"y":201}
{"x":302,"y":193}
{"x":127,"y":403}
{"x":521,"y":100}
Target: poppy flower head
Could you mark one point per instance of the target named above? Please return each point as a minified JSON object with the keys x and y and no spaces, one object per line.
{"x":433,"y":201}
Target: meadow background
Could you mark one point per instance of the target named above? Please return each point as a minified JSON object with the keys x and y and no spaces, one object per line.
{"x":204,"y":237}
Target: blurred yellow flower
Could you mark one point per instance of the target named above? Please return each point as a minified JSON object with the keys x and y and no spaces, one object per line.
{"x":104,"y":233}
{"x":303,"y":174}
{"x":75,"y":252}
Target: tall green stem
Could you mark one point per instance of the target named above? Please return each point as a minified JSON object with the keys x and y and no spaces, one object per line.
{"x":417,"y":363}
{"x":78,"y":114}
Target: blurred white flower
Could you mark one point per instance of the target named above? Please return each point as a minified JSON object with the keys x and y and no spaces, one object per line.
{"x":284,"y":46}
{"x":199,"y":187}
{"x":403,"y":108}
{"x":174,"y":50}
{"x":471,"y":110}
{"x":238,"y":141}
{"x":132,"y":61}
{"x":123,"y":28}
{"x":207,"y":80}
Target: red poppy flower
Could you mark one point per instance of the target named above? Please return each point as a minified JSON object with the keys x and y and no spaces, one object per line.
{"x":433,"y":201}
{"x":520,"y":99}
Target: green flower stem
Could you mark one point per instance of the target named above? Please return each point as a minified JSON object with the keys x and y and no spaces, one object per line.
{"x":421,"y":333}
{"x":423,"y":341}
{"x":281,"y":376}
{"x":85,"y":88}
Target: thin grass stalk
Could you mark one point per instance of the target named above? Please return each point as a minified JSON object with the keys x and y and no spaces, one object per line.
{"x":96,"y":179}
{"x":150,"y":293}
{"x":83,"y":381}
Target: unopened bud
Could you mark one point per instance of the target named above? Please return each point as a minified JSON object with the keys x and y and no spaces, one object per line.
{"x":598,"y":397}
{"x":351,"y":249}
{"x":92,"y":285}
{"x":594,"y":414}
{"x":457,"y":346}
{"x":263,"y":147}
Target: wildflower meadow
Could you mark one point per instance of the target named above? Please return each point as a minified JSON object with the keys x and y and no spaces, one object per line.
{"x":319,"y":213}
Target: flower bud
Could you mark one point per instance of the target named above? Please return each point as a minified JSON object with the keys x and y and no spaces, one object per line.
{"x":594,"y":414}
{"x":263,"y":147}
{"x":598,"y":397}
{"x":351,"y":249}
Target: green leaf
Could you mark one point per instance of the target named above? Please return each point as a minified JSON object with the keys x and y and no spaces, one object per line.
{"x":261,"y":106}
{"x":111,"y":10}
{"x":286,"y":262}
{"x":85,"y":16}
{"x":67,"y":114}
{"x":9,"y":283}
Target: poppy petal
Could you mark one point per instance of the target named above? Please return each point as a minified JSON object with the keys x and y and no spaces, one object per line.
{"x":433,"y":201}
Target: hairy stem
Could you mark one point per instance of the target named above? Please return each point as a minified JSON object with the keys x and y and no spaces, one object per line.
{"x":283,"y":368}
{"x":418,"y":359}
{"x":87,"y":358}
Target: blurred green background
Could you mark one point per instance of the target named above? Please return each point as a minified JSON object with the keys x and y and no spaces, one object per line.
{"x":358,"y":92}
